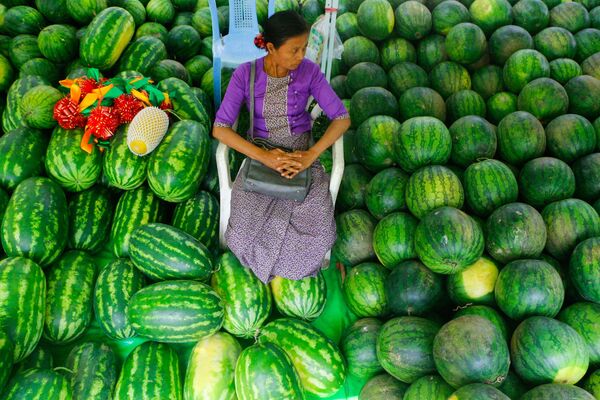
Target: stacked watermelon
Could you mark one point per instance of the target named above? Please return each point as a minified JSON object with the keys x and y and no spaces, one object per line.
{"x":467,"y":217}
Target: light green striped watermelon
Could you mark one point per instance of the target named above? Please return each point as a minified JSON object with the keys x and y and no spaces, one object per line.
{"x":210,"y":372}
{"x":150,"y":371}
{"x":38,"y":384}
{"x":364,"y":290}
{"x":6,"y":358}
{"x":385,"y":192}
{"x":431,"y":387}
{"x":354,"y":242}
{"x":198,"y":308}
{"x":491,"y":314}
{"x":522,"y":67}
{"x":37,"y":106}
{"x":69,"y":301}
{"x":90,"y":216}
{"x":422,"y":141}
{"x":94,"y":367}
{"x":490,"y":15}
{"x":186,"y":105}
{"x":521,"y":137}
{"x":413,"y":20}
{"x":449,"y":77}
{"x":264,"y":371}
{"x":478,"y":390}
{"x":375,"y":19}
{"x":303,"y":299}
{"x":569,"y":137}
{"x":142,"y":54}
{"x":584,"y":318}
{"x":393,"y":238}
{"x":359,"y":346}
{"x":58,"y":43}
{"x":35,"y":224}
{"x":432,"y":187}
{"x":489,"y":184}
{"x":164,"y":252}
{"x":383,"y":386}
{"x":75,"y":170}
{"x":123,"y":169}
{"x":557,"y":391}
{"x":199,"y":216}
{"x":556,"y":42}
{"x":374,"y":141}
{"x":315,"y":357}
{"x":22,"y":152}
{"x":116,"y":283}
{"x":544,"y":98}
{"x":584,"y":269}
{"x":563,"y":70}
{"x":23,"y":304}
{"x":246,"y":300}
{"x":465,"y":43}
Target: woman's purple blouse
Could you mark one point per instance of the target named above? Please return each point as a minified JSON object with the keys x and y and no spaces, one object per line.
{"x":304,"y":81}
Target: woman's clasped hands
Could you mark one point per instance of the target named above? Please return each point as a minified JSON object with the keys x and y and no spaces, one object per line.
{"x":289,"y":164}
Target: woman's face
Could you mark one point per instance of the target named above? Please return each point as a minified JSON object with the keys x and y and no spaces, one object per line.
{"x":290,"y":53}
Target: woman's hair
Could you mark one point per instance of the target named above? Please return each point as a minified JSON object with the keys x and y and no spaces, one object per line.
{"x":284,"y":25}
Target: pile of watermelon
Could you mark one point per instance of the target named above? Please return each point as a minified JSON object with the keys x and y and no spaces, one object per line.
{"x":467,"y":217}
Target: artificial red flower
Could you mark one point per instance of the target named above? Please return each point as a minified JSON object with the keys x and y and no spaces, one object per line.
{"x":127,"y":107}
{"x":66,"y":112}
{"x":103,"y":122}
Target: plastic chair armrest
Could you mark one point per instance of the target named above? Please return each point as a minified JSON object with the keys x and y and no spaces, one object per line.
{"x":225,"y":186}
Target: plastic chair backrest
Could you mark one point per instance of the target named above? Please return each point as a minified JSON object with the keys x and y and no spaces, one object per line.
{"x":242,"y":16}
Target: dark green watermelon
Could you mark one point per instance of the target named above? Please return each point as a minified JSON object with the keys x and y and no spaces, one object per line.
{"x":584,"y":269}
{"x":544,"y":180}
{"x":393,"y":239}
{"x":473,"y":138}
{"x":413,"y":289}
{"x":385,"y":192}
{"x":521,"y":137}
{"x":359,"y":345}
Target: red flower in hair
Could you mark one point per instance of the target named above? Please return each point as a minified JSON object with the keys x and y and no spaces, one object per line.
{"x":259,"y":41}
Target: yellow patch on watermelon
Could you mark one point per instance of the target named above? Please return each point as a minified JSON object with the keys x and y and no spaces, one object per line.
{"x":479,"y":278}
{"x":569,"y":375}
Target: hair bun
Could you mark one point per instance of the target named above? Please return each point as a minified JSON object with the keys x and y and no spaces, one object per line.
{"x":259,"y":41}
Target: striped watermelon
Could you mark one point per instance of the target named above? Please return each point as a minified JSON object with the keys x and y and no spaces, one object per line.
{"x":22,"y":20}
{"x":515,"y":231}
{"x":473,"y":138}
{"x":210,"y":372}
{"x":23,"y":48}
{"x":264,"y":371}
{"x":163,"y":252}
{"x":346,"y":24}
{"x":247,"y":301}
{"x":199,"y":216}
{"x":489,"y":313}
{"x":183,"y":42}
{"x":187,"y":106}
{"x":584,"y":318}
{"x":38,"y":384}
{"x":563,"y":70}
{"x":142,"y":54}
{"x":406,"y":75}
{"x":463,"y":103}
{"x":529,"y":287}
{"x":521,"y":137}
{"x":135,"y":208}
{"x":465,"y":43}
{"x":84,"y":11}
{"x":544,"y":98}
{"x":522,"y":67}
{"x":70,"y":289}
{"x":36,"y":221}
{"x":383,"y":386}
{"x":374,"y":101}
{"x":431,"y":187}
{"x":359,"y":346}
{"x":106,"y":37}
{"x":161,"y":11}
{"x":393,"y":238}
{"x":532,"y":15}
{"x":569,"y":137}
{"x":393,"y":51}
{"x":478,"y":390}
{"x":449,"y":77}
{"x":475,"y":284}
{"x":555,"y":42}
{"x":123,"y":169}
{"x":487,"y":81}
{"x":137,"y":10}
{"x":22,"y":152}
{"x":431,"y":51}
{"x":354,"y":243}
{"x":198,"y":307}
{"x":431,"y":387}
{"x":39,"y":358}
{"x":177,"y":166}
{"x":470,"y":349}
{"x":303,"y":299}
{"x":545,"y":180}
{"x":421,"y":102}
{"x":75,"y":170}
{"x":385,"y":192}
{"x":413,"y":289}
{"x":116,"y":283}
{"x":544,"y":350}
{"x":584,"y":269}
{"x":23,"y":304}
{"x":94,"y":367}
{"x":150,"y":371}
{"x":90,"y":216}
{"x":364,"y":290}
{"x":359,"y":49}
{"x":375,"y":19}
{"x":591,"y":65}
{"x":413,"y":20}
{"x":374,"y":140}
{"x":447,"y":240}
{"x":558,"y":392}
{"x":592,"y":383}
{"x":513,"y":386}
{"x":586,"y":171}
{"x":6,"y":358}
{"x":489,"y":184}
{"x":352,"y":188}
{"x":37,"y":106}
{"x":315,"y":357}
{"x":58,"y":43}
{"x":447,"y":15}
{"x":490,"y":15}
{"x":404,"y":347}
{"x":422,"y":141}
{"x":507,"y":40}
{"x":582,"y":90}
{"x":569,"y":222}
{"x":587,"y":43}
{"x":500,"y":105}
{"x":573,"y":17}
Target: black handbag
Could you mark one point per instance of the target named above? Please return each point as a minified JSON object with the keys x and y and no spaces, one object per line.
{"x":259,"y":178}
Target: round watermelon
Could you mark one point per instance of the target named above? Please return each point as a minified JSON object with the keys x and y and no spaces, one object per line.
{"x":413,"y":289}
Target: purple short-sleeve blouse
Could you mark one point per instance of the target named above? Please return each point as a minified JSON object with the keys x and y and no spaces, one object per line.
{"x":305,"y":81}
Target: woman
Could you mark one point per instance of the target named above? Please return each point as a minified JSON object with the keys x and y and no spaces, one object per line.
{"x":276,"y":237}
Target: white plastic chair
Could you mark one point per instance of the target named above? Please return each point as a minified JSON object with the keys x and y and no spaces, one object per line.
{"x":225,"y":182}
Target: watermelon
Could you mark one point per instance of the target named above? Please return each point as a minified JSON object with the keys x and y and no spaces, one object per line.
{"x":70,"y":289}
{"x":522,"y":67}
{"x":123,"y":169}
{"x":513,"y":386}
{"x":394,"y":51}
{"x":490,"y":15}
{"x":558,"y":392}
{"x":23,"y":20}
{"x":41,"y":66}
{"x":470,"y":349}
{"x":359,"y":49}
{"x":413,"y":289}
{"x":573,"y":17}
{"x":151,"y":370}
{"x":269,"y":364}
{"x":161,"y":11}
{"x":413,"y":20}
{"x":421,"y":141}
{"x":37,"y":106}
{"x":198,"y":307}
{"x":448,"y":14}
{"x":489,"y":313}
{"x":431,"y":51}
{"x":449,"y":77}
{"x":383,"y":386}
{"x":464,"y":103}
{"x":37,"y":384}
{"x":246,"y":300}
{"x":90,"y":216}
{"x":465,"y":43}
{"x":7,"y":354}
{"x":115,"y":285}
{"x":393,"y":238}
{"x":374,"y":140}
{"x":365,"y":74}
{"x":507,"y":40}
{"x":406,"y":75}
{"x":164,"y":252}
{"x":404,"y":347}
{"x":592,"y":382}
{"x":431,"y":387}
{"x":500,"y":105}
{"x":384,"y":193}
{"x":210,"y":372}
{"x":488,"y":185}
{"x":359,"y":346}
{"x":487,"y":81}
{"x":591,"y":65}
{"x":23,"y":305}
{"x":421,"y":102}
{"x":529,"y":287}
{"x":303,"y":299}
{"x":58,"y":43}
{"x":473,"y":138}
{"x":532,"y":15}
{"x":198,"y":216}
{"x":94,"y":371}
{"x":447,"y":240}
{"x":142,"y":54}
{"x":431,"y":187}
{"x":315,"y":357}
{"x":568,"y":223}
{"x":555,"y":42}
{"x":22,"y":154}
{"x":563,"y":70}
{"x":475,"y":284}
{"x":364,"y":292}
{"x":582,"y":91}
{"x":514,"y":231}
{"x":544,"y":98}
{"x":134,"y":208}
{"x":586,"y":171}
{"x":84,"y":11}
{"x":36,"y":221}
{"x":23,"y":48}
{"x":183,"y":42}
{"x":544,"y":180}
{"x":375,"y":19}
{"x":478,"y":390}
{"x":354,"y":242}
{"x":584,"y":317}
{"x":570,"y":136}
{"x":544,"y":350}
{"x":521,"y":137}
{"x":584,"y":271}
{"x":154,"y":29}
{"x":106,"y":37}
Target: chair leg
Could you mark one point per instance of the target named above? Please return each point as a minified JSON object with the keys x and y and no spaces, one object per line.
{"x":217,"y":82}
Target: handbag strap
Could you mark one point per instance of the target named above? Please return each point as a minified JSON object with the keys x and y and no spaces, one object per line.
{"x":251,"y":111}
